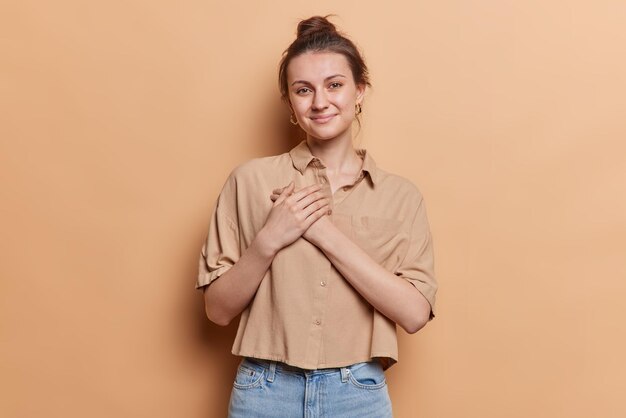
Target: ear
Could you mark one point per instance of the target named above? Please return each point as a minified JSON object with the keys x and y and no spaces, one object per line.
{"x":360,"y":92}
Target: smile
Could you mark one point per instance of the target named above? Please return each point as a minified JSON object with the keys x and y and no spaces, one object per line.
{"x":324,"y":119}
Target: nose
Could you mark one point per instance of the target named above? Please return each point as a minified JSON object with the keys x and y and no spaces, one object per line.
{"x":320,"y":101}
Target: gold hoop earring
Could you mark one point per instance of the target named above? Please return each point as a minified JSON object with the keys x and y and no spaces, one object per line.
{"x":293,"y":122}
{"x":357,"y":109}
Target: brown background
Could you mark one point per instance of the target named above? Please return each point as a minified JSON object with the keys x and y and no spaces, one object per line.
{"x":121,"y":120}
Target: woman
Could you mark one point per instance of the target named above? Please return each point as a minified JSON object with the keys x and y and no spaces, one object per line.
{"x":320,"y":251}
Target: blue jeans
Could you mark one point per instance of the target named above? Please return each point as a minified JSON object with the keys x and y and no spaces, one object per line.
{"x":265,"y":388}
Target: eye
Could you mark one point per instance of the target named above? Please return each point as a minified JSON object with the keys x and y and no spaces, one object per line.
{"x":301,"y":90}
{"x":335,"y":83}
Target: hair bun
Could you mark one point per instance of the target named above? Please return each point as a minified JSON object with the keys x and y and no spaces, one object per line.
{"x":315,"y":24}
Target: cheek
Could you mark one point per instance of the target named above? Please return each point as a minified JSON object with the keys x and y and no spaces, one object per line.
{"x":299,"y":105}
{"x":346,"y":104}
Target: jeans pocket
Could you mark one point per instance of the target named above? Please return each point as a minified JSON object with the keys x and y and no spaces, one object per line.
{"x":249,"y":375}
{"x":368,"y":375}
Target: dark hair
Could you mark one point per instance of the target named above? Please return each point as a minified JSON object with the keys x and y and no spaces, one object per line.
{"x":318,"y":34}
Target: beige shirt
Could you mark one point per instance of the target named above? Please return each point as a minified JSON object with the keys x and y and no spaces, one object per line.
{"x":305,"y":313}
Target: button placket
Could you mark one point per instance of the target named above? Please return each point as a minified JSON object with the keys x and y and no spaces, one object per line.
{"x":320,"y":174}
{"x":320,"y":291}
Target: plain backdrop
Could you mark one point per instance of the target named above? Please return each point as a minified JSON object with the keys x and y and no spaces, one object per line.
{"x":120,"y":121}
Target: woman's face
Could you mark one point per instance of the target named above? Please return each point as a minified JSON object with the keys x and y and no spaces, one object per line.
{"x":323,"y":94}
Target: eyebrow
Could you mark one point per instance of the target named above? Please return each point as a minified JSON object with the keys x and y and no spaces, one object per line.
{"x":327,"y":78}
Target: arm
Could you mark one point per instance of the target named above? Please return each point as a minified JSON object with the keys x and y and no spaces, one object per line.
{"x":391,"y":295}
{"x":225,"y":299}
{"x":229,"y":279}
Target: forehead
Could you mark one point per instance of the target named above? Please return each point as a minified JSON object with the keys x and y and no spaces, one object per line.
{"x":314,"y":66}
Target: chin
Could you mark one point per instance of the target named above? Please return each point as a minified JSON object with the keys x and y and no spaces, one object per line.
{"x":322,"y":135}
{"x":319,"y":137}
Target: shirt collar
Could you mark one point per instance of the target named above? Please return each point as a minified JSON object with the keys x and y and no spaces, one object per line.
{"x":301,"y":157}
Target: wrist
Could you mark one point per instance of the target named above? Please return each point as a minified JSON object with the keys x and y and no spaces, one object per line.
{"x":318,"y":234}
{"x":265,"y":244}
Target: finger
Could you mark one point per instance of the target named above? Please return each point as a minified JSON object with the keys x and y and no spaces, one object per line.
{"x":309,"y":199}
{"x":320,"y":212}
{"x":315,"y":206}
{"x":296,"y":196}
{"x":286,"y":192}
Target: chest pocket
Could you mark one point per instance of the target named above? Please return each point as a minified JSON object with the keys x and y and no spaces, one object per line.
{"x":384,"y":239}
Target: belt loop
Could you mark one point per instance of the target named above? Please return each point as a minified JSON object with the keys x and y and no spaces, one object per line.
{"x":272,"y":371}
{"x":344,"y":374}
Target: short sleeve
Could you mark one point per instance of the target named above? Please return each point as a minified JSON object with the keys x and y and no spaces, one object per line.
{"x":418,"y":264}
{"x":220,"y":250}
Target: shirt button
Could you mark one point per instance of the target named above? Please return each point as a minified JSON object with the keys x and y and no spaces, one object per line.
{"x":323,"y":283}
{"x":317,"y":322}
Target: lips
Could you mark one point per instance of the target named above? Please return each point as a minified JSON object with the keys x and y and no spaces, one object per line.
{"x":322,"y":118}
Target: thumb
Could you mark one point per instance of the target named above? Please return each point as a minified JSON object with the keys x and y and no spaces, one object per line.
{"x":285,"y":193}
{"x":289,"y":187}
